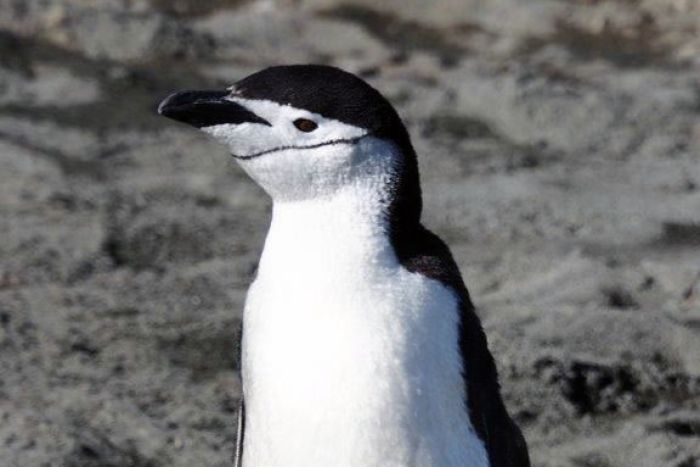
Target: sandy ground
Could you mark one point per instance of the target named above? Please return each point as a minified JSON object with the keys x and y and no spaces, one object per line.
{"x":559,"y":144}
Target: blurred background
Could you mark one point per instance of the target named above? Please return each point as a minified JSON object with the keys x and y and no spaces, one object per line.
{"x":559,"y":144}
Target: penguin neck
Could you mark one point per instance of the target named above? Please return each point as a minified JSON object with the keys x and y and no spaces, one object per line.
{"x":345,"y":233}
{"x":358,"y":228}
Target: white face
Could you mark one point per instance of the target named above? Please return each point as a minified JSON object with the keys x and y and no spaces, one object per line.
{"x":303,"y":160}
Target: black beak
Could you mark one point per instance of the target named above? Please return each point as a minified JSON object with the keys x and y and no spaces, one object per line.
{"x":206,"y":108}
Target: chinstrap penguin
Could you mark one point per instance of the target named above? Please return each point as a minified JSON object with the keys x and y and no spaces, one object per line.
{"x":360,"y":343}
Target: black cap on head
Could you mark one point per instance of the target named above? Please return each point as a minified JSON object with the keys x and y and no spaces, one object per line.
{"x":328,"y":91}
{"x":340,"y":95}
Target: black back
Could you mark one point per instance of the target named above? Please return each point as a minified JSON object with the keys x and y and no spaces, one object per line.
{"x":337,"y":94}
{"x":423,"y":252}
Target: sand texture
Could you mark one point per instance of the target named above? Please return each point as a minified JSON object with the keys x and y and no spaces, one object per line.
{"x":559,"y":143}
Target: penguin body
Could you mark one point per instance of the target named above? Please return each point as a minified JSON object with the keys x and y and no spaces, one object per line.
{"x":360,"y":344}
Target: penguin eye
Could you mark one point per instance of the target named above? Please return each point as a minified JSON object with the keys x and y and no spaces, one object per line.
{"x":305,"y":125}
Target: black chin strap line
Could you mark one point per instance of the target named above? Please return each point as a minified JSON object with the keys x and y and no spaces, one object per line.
{"x":310,"y":146}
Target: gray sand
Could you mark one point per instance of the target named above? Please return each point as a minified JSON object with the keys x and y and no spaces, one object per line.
{"x":559,"y":144}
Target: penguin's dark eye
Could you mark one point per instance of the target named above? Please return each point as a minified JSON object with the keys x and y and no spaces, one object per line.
{"x":305,"y":125}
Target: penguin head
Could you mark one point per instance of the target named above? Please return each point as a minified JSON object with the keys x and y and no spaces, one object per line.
{"x":303,"y":131}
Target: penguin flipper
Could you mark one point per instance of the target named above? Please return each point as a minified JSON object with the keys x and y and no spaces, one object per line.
{"x":520,"y":456}
{"x":238,"y":450}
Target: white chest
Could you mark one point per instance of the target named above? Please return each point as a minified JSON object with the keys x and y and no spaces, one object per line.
{"x":349,"y":359}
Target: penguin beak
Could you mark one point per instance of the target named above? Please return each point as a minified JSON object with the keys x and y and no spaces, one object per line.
{"x":206,"y":108}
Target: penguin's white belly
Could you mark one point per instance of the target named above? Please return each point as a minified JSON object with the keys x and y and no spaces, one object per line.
{"x":354,"y":366}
